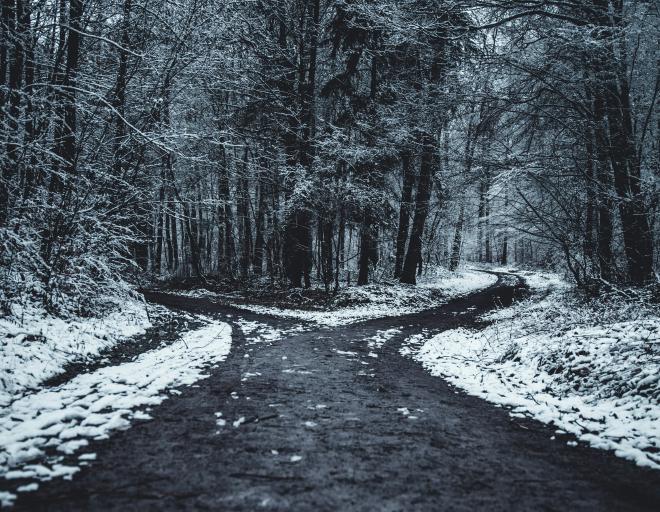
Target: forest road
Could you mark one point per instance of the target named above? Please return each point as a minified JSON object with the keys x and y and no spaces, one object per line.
{"x":313,"y":422}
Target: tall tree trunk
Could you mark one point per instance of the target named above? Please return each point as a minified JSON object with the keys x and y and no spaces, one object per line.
{"x":259,"y":240}
{"x":226,"y":222}
{"x":6,"y":24}
{"x":298,"y":236}
{"x":590,"y":207}
{"x":604,"y":200}
{"x":65,"y":149}
{"x":455,"y":259}
{"x":190,"y":223}
{"x":424,"y":186}
{"x":31,"y":169}
{"x":160,"y":219}
{"x":485,"y":251}
{"x":339,"y":253}
{"x":172,"y":242}
{"x":366,"y":242}
{"x":119,"y":97}
{"x":244,"y":220}
{"x":504,"y":257}
{"x":15,"y":29}
{"x":327,"y":236}
{"x":614,"y":88}
{"x":404,"y":211}
{"x":275,"y":242}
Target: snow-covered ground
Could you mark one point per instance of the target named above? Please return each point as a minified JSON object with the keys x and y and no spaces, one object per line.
{"x":380,"y":301}
{"x":39,"y":429}
{"x":35,"y":346}
{"x":590,"y":369}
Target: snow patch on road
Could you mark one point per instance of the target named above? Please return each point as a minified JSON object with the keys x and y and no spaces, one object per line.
{"x":37,"y":430}
{"x":381,"y":337}
{"x":591,"y":373}
{"x":259,"y":332}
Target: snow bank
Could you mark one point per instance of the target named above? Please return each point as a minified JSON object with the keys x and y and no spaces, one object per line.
{"x":590,"y":372}
{"x":38,"y":429}
{"x":35,"y":346}
{"x":380,"y":301}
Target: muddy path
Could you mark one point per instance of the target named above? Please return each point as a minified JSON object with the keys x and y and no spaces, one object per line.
{"x":315,"y":422}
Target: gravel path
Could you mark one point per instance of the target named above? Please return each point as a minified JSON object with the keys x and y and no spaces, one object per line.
{"x":313,"y":422}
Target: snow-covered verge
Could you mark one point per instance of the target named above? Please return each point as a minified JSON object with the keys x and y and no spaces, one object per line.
{"x":359,"y":303}
{"x":35,"y":346}
{"x":38,"y":430}
{"x":591,"y":369}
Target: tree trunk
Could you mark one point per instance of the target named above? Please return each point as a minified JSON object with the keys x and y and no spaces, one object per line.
{"x":15,"y":28}
{"x":244,"y":218}
{"x":160,"y":219}
{"x":590,"y":207}
{"x":458,"y":239}
{"x":190,"y":223}
{"x":257,"y":261}
{"x":226,"y":223}
{"x":614,"y":88}
{"x":485,"y":251}
{"x":119,"y":99}
{"x":421,"y":210}
{"x":604,"y":200}
{"x":366,"y":242}
{"x":404,"y":211}
{"x":339,"y":256}
{"x":65,"y":129}
{"x":327,"y":235}
{"x":66,"y":144}
{"x":173,"y":243}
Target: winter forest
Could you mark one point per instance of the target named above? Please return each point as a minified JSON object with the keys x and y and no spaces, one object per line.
{"x":173,"y":168}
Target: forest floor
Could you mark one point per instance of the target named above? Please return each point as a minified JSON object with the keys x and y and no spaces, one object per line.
{"x":385,"y":298}
{"x":278,"y":412}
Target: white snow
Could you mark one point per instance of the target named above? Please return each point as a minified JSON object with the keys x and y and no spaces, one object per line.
{"x":459,"y":283}
{"x":591,"y":372}
{"x":259,"y":332}
{"x":380,"y":301}
{"x":345,"y":352}
{"x":90,"y":406}
{"x":381,"y":337}
{"x":35,"y":346}
{"x":7,"y":499}
{"x":28,"y":488}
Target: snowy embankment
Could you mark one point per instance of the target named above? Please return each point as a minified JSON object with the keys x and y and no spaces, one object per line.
{"x":38,"y":430}
{"x":380,"y":301}
{"x":589,"y":369}
{"x":35,"y":346}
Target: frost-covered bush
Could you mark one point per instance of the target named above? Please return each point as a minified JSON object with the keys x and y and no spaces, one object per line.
{"x":609,"y":346}
{"x":75,"y":270}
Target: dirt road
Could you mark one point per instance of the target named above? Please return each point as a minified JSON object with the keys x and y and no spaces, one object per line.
{"x":314,"y":422}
